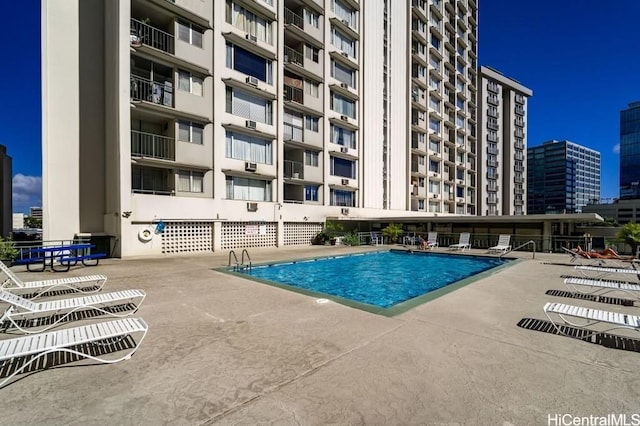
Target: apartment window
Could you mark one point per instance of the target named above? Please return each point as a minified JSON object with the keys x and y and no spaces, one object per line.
{"x":312,"y":19}
{"x":342,"y":198}
{"x":434,"y":83}
{"x":311,"y":193}
{"x":459,"y":102}
{"x":343,"y":167}
{"x":248,"y":106}
{"x":434,"y":186}
{"x":189,"y":33}
{"x":435,"y":41}
{"x":311,"y":88}
{"x":459,"y":120}
{"x":248,"y":148}
{"x":344,"y":12}
{"x":311,"y":53}
{"x":190,"y":181}
{"x":188,"y":82}
{"x":239,"y":188}
{"x":434,"y":104}
{"x":249,"y":22}
{"x":434,"y":125}
{"x":420,"y":204}
{"x":343,"y":74}
{"x":311,"y":123}
{"x":341,"y":136}
{"x":343,"y":105}
{"x":421,"y":160}
{"x":311,"y":158}
{"x":149,"y":180}
{"x":190,"y":132}
{"x":343,"y":42}
{"x":249,"y":63}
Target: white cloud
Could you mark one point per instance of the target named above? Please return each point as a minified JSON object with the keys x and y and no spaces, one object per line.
{"x":616,"y":148}
{"x":27,"y":192}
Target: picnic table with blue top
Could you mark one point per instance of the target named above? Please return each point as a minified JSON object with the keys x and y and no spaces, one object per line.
{"x":66,"y":255}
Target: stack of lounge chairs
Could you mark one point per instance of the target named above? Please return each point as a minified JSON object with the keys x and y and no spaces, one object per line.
{"x":34,"y":308}
{"x":596,"y":281}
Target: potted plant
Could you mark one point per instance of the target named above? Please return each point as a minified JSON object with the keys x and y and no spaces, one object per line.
{"x":328,"y":233}
{"x":392,"y":232}
{"x":8,"y":251}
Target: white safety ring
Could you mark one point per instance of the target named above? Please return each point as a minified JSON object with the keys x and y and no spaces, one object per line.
{"x":145,"y":235}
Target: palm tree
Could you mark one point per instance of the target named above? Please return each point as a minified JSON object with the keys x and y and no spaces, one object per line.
{"x":630,"y":234}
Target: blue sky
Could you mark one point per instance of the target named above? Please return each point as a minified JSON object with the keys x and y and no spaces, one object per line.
{"x":581,"y":59}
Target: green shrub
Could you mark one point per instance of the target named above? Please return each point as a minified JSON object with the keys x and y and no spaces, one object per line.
{"x":8,"y":250}
{"x":630,"y":234}
{"x":352,"y":239}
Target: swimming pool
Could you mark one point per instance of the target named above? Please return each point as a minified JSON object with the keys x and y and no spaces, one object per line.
{"x":381,"y":279}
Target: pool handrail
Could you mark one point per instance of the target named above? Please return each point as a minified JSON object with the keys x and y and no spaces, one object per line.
{"x":522,"y":245}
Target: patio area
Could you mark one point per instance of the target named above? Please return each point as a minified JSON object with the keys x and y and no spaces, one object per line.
{"x":226,"y":350}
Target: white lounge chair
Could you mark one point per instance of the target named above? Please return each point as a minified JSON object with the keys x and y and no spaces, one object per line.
{"x":82,"y":284}
{"x":432,"y":240}
{"x":600,"y":271}
{"x":601,"y":287}
{"x":88,"y":341}
{"x":590,"y":317}
{"x":29,"y":316}
{"x":503,"y":244}
{"x":463,"y":242}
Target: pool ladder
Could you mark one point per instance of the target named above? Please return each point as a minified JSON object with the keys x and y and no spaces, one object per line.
{"x":240,"y":266}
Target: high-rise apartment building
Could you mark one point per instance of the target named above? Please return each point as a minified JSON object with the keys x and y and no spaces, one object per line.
{"x":6,"y":192}
{"x":245,"y":123}
{"x":443,"y":106}
{"x":503,"y":143}
{"x":630,"y":152}
{"x":562,"y":177}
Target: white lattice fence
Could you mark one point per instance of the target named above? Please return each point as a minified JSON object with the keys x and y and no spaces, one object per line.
{"x":187,"y":237}
{"x":300,"y":233}
{"x":248,"y":234}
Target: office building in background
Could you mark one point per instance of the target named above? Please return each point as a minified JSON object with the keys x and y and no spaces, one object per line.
{"x":562,"y":177}
{"x":6,"y":192}
{"x":630,"y":152}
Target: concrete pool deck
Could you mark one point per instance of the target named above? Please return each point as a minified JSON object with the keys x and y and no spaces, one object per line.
{"x":226,"y":350}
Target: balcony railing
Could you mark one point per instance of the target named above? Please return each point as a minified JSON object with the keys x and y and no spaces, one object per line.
{"x":142,"y":33}
{"x":293,"y":169}
{"x":293,"y":94}
{"x":151,"y":91}
{"x":152,"y":146}
{"x":290,"y":17}
{"x":293,"y":56}
{"x":293,"y":133}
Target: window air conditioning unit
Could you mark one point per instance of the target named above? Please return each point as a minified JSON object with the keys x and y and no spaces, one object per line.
{"x":344,"y":85}
{"x":435,"y":195}
{"x":250,"y":167}
{"x":252,"y":80}
{"x":250,"y":124}
{"x":344,"y":117}
{"x":345,"y":54}
{"x":252,"y":207}
{"x":345,"y":181}
{"x":344,"y":21}
{"x":251,"y":38}
{"x":344,"y":149}
{"x":345,"y":211}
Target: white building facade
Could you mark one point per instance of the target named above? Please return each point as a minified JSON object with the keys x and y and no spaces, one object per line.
{"x":502,"y":186}
{"x":190,"y":126}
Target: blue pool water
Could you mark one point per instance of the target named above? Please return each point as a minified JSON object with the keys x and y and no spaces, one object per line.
{"x":383,"y":279}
